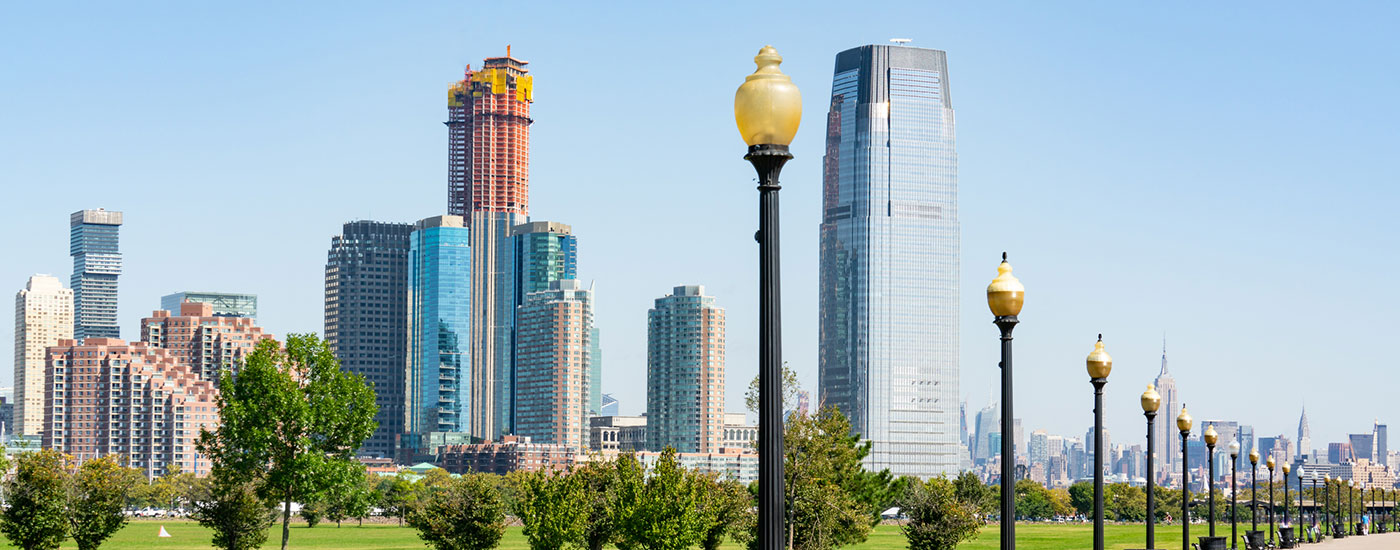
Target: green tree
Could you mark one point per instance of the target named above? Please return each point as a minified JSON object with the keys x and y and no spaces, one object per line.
{"x":293,"y":420}
{"x":399,"y":497}
{"x":1125,"y":503}
{"x":600,"y":483}
{"x":726,"y":509}
{"x":665,"y":511}
{"x":1033,"y":500}
{"x":938,"y":518}
{"x":791,"y":388}
{"x":831,"y":500}
{"x":229,"y":506}
{"x":312,"y":513}
{"x":35,"y":518}
{"x":96,"y":497}
{"x":1081,"y":496}
{"x":551,"y":509}
{"x":466,"y":514}
{"x":970,"y":490}
{"x":351,"y":500}
{"x":168,"y":490}
{"x":1059,"y":500}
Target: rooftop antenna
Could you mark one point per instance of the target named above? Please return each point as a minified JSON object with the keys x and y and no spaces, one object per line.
{"x":901,"y":41}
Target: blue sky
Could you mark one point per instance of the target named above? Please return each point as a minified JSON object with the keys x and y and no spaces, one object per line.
{"x":1221,"y":174}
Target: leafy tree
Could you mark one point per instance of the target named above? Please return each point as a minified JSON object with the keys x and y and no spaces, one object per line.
{"x":229,"y":506}
{"x":726,"y":510}
{"x":938,"y":518}
{"x":831,"y":500}
{"x":550,"y":507}
{"x":1060,"y":502}
{"x":600,"y":488}
{"x":1124,"y":502}
{"x":312,"y":513}
{"x":1081,"y":496}
{"x":791,"y":388}
{"x":35,"y":518}
{"x":350,"y":500}
{"x":666,"y":507}
{"x":1033,"y":500}
{"x":399,"y":496}
{"x":970,"y":490}
{"x":292,"y":420}
{"x":172,"y":486}
{"x":96,"y":497}
{"x":465,"y":514}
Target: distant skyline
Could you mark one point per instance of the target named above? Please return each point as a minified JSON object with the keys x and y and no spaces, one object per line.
{"x":1222,"y":174}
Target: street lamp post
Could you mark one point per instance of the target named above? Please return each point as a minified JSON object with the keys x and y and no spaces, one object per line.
{"x":1151,"y":401}
{"x":1254,"y":492}
{"x":1351,"y":506}
{"x":1270,"y":464}
{"x":1324,"y":510}
{"x":1005,"y":296}
{"x":1183,"y":423}
{"x":1234,"y":489}
{"x":1211,"y":437}
{"x":1286,"y":468}
{"x":767,"y":110}
{"x":1300,"y":501}
{"x":1099,"y":365}
{"x":1327,"y":503}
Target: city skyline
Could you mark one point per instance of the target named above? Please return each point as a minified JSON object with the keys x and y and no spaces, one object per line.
{"x":1196,"y":201}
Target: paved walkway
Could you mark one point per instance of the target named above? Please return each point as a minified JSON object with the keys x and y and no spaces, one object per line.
{"x":1388,"y":541}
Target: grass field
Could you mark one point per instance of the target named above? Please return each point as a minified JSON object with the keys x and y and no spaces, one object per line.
{"x":187,"y":535}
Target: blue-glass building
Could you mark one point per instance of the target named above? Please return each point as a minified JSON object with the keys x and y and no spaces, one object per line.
{"x":439,"y":319}
{"x":888,"y":341}
{"x":97,"y":262}
{"x":536,"y":255}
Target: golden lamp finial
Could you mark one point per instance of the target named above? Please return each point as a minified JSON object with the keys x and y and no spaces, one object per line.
{"x":768,"y":106}
{"x":1183,"y":420}
{"x":1210,"y":435}
{"x":1099,"y":363}
{"x":1151,"y":400}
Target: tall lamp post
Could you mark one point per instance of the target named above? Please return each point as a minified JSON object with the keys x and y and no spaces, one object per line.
{"x":1327,"y":503}
{"x":1323,"y":516}
{"x":1099,"y":364}
{"x":1270,"y":464}
{"x":1284,"y":519}
{"x":767,"y":110}
{"x":1254,"y":492}
{"x":1183,"y":423}
{"x":1300,"y":502}
{"x":1005,"y":296}
{"x":1211,"y":437}
{"x":1351,"y":506}
{"x":1151,"y":401}
{"x":1234,"y":489}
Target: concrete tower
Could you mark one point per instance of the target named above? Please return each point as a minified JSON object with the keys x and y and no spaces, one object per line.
{"x":1168,"y":441}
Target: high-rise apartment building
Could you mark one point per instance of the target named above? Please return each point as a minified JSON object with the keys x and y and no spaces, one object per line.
{"x":554,"y":375}
{"x":134,"y":400}
{"x":366,"y":308}
{"x":1304,"y":434}
{"x":97,"y":262}
{"x":207,"y":343}
{"x":488,"y":126}
{"x":538,"y":255}
{"x":43,"y":316}
{"x":1168,"y":444}
{"x":439,"y":329}
{"x":223,"y":304}
{"x":889,"y":268}
{"x":1038,"y":451}
{"x":685,"y":372}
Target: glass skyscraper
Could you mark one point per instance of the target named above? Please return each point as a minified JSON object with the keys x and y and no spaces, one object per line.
{"x":439,"y":317}
{"x":888,"y":343}
{"x":366,"y":304}
{"x":685,"y":372}
{"x":97,"y":262}
{"x":537,"y":254}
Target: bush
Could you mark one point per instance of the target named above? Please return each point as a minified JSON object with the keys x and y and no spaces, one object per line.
{"x":938,"y":520}
{"x":463,"y":514}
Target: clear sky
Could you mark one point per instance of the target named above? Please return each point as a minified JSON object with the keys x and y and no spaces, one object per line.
{"x":1223,"y":174}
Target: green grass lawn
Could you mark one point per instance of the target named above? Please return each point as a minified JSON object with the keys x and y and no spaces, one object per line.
{"x":187,"y":535}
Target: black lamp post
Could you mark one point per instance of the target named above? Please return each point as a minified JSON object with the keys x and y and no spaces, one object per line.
{"x":1151,"y":401}
{"x":768,"y":109}
{"x":1099,"y":365}
{"x":1254,"y":491}
{"x":1234,"y":489}
{"x":1183,"y":423}
{"x":1351,"y":506}
{"x":1300,"y":502}
{"x":1284,"y":518}
{"x":1211,"y":437}
{"x":1326,"y":502}
{"x":1005,"y":296}
{"x":1270,"y":464}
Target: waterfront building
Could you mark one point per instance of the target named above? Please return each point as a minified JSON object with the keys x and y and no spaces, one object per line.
{"x":685,"y":372}
{"x":43,"y":316}
{"x":889,"y":258}
{"x":366,"y":304}
{"x":1369,"y":474}
{"x":539,"y":254}
{"x":97,"y":262}
{"x":223,"y":304}
{"x":612,"y":434}
{"x":511,"y":454}
{"x":725,"y":465}
{"x":439,"y":328}
{"x":207,"y":343}
{"x":553,"y":362}
{"x":135,"y":400}
{"x":738,"y":433}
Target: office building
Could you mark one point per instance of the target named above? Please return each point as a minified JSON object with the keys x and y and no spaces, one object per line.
{"x":1363,"y":445}
{"x":1168,"y":444}
{"x":488,"y":127}
{"x":610,"y":405}
{"x":1379,"y":453}
{"x":724,"y":465}
{"x":366,"y":306}
{"x":538,"y":254}
{"x":43,"y":316}
{"x":223,"y":304}
{"x":1369,"y":474}
{"x":207,"y":343}
{"x":613,"y":434}
{"x":97,"y":262}
{"x":739,"y":435}
{"x":1304,"y":434}
{"x":685,"y":372}
{"x":1038,"y":451}
{"x":988,"y":422}
{"x":553,"y":361}
{"x":889,"y":258}
{"x":511,"y":454}
{"x":1247,"y":442}
{"x":439,"y":327}
{"x":1340,"y":453}
{"x":134,"y":400}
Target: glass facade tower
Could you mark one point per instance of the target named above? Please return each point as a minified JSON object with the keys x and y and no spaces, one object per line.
{"x":685,"y":372}
{"x":889,"y":268}
{"x":439,"y":316}
{"x":97,"y":262}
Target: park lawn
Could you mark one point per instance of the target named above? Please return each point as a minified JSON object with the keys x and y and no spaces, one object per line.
{"x":188,"y":535}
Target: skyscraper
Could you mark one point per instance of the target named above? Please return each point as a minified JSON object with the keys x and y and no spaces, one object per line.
{"x":888,"y":340}
{"x":1304,"y":435}
{"x":223,"y":304}
{"x":97,"y":262}
{"x":988,"y":422}
{"x":1168,"y":445}
{"x":685,"y":372}
{"x":553,"y":365}
{"x":206,"y":343}
{"x":1380,"y":453}
{"x":488,"y":126}
{"x":439,"y":318}
{"x":366,"y":307}
{"x":43,"y":316}
{"x":1363,"y":445}
{"x":538,"y":254}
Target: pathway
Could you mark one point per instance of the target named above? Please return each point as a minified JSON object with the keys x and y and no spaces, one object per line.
{"x":1388,"y":541}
